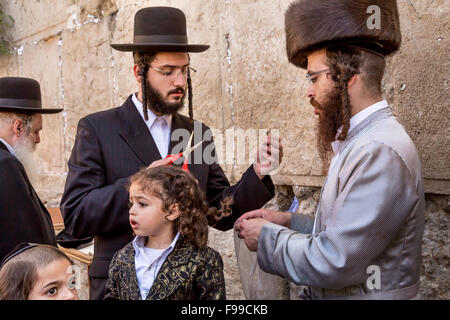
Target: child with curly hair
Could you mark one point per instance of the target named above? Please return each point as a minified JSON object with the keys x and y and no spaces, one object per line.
{"x":169,"y":257}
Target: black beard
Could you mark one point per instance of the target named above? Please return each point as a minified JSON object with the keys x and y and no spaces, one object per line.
{"x":156,"y":102}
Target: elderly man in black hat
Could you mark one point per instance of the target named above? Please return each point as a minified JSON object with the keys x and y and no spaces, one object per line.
{"x":112,"y":145}
{"x":365,"y":241}
{"x":23,"y":217}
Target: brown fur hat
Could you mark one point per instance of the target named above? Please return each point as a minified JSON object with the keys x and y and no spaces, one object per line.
{"x":314,"y":24}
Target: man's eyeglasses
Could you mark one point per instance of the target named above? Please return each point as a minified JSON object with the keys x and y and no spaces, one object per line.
{"x":173,"y":73}
{"x":312,"y":76}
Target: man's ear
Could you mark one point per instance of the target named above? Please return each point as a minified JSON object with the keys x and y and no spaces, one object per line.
{"x":18,"y":127}
{"x":354,"y":79}
{"x":136,"y":73}
{"x":174,"y":212}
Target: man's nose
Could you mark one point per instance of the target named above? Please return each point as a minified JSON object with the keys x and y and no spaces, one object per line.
{"x":310,"y":93}
{"x":180,"y":80}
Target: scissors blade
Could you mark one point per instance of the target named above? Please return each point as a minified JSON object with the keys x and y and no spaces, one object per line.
{"x":196,"y":146}
{"x":187,"y":150}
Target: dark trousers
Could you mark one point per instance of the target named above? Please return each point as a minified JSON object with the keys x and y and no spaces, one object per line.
{"x":97,"y":288}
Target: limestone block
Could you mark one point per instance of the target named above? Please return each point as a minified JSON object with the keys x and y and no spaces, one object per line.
{"x":86,"y":73}
{"x":421,"y":84}
{"x":50,"y":151}
{"x":435,"y":275}
{"x":33,"y":17}
{"x":49,"y":187}
{"x":268,"y":92}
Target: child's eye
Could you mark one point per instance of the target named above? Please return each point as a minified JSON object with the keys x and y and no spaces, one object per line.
{"x":52,"y":291}
{"x":142,"y":204}
{"x":130,"y":204}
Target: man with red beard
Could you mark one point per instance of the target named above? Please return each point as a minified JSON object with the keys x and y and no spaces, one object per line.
{"x":23,"y":217}
{"x":365,"y":240}
{"x":112,"y":145}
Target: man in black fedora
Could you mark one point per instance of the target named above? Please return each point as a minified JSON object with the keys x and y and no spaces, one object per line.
{"x":112,"y":145}
{"x":23,"y":217}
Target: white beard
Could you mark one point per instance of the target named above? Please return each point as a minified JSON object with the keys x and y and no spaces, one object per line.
{"x":24,"y":152}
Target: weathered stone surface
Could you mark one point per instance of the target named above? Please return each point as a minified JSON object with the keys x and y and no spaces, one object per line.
{"x":50,"y":151}
{"x":244,"y":81}
{"x":435,"y":271}
{"x":34,"y":17}
{"x":86,"y":74}
{"x":424,"y":73}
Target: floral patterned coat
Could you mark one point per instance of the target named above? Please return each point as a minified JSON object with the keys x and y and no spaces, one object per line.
{"x":188,"y":273}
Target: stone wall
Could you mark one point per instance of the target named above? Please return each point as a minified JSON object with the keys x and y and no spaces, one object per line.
{"x":243,"y":81}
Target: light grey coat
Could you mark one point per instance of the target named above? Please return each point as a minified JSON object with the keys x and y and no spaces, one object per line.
{"x":370,"y":213}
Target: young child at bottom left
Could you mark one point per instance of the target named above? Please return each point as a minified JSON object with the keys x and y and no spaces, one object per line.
{"x":169,"y":258}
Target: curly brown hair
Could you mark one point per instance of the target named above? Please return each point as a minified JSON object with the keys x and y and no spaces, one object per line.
{"x":174,"y":186}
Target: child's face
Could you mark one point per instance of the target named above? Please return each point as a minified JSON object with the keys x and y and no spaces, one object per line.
{"x":147,"y":216}
{"x":54,"y":282}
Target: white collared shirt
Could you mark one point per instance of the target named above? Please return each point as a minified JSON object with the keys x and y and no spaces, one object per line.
{"x":148,"y":261}
{"x":159,"y":127}
{"x":10,"y":149}
{"x":354,"y":121}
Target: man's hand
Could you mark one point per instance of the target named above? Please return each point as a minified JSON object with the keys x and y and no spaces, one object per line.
{"x":161,"y":162}
{"x":249,"y":230}
{"x":280,"y":218}
{"x":269,"y":156}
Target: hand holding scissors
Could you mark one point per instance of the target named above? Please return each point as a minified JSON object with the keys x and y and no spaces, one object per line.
{"x":185,"y":154}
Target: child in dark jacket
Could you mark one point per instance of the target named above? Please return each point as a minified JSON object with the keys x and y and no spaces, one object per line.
{"x":169,"y":257}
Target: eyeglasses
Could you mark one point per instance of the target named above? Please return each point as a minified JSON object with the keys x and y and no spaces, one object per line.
{"x":317,"y":73}
{"x":174,"y":72}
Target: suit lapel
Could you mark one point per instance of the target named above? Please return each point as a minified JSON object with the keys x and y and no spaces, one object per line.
{"x":136,"y":134}
{"x":3,"y":147}
{"x":173,"y":272}
{"x":133,"y":286}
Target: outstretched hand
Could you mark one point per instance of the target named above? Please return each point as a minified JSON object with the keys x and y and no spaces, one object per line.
{"x":269,"y":156}
{"x":250,"y":224}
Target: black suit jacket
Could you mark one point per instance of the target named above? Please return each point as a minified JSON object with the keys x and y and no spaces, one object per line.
{"x":112,"y":145}
{"x":187,"y":274}
{"x":23,"y":217}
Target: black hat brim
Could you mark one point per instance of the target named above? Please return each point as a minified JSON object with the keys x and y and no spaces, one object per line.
{"x":161,"y":47}
{"x":28,"y":110}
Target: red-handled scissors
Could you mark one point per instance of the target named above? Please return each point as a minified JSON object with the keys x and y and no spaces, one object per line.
{"x":185,"y":154}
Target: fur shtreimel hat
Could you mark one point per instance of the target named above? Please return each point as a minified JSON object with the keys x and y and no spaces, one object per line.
{"x":314,"y":24}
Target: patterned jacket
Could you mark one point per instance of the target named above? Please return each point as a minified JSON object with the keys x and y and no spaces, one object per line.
{"x":187,"y":274}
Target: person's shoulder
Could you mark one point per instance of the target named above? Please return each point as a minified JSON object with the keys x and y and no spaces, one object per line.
{"x":103,"y":116}
{"x":106,"y":116}
{"x":208,"y":254}
{"x":123,"y":254}
{"x":188,"y":122}
{"x":8,"y":162}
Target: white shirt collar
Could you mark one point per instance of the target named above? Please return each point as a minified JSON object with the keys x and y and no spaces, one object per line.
{"x":151,"y":116}
{"x":10,"y":149}
{"x":363,"y":114}
{"x":357,"y":119}
{"x":139,"y":242}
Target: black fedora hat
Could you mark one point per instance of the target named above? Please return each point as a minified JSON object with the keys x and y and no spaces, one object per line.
{"x":158,"y":29}
{"x":21,"y":95}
